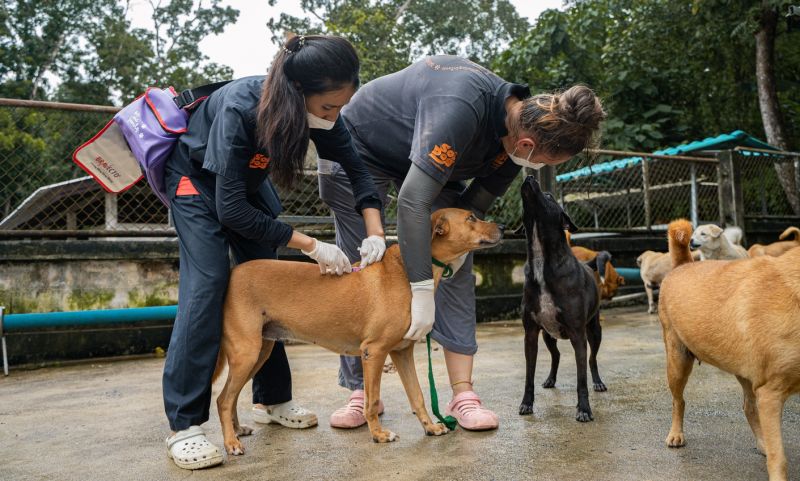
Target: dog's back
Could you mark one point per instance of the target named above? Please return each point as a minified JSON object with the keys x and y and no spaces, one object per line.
{"x":330,"y":298}
{"x":789,"y":239}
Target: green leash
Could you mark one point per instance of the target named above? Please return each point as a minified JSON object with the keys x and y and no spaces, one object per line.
{"x":448,"y":421}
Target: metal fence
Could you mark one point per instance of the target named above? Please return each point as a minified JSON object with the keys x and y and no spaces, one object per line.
{"x":630,"y":191}
{"x":42,"y":192}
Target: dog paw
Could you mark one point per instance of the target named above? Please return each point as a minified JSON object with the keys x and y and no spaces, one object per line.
{"x":436,"y":429}
{"x":675,"y":440}
{"x":384,"y":436}
{"x":584,"y":416}
{"x":525,"y":408}
{"x":234,"y":448}
{"x":600,"y":387}
{"x":244,"y":430}
{"x":549,"y":383}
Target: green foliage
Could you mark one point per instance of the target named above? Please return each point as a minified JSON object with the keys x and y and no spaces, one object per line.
{"x":96,"y":55}
{"x":667,"y":71}
{"x":390,"y":34}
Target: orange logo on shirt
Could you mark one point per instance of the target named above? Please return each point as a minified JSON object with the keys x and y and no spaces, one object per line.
{"x":443,"y":155}
{"x":259,"y":161}
{"x":499,"y":160}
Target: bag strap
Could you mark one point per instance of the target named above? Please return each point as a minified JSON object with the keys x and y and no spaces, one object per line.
{"x":189,"y":98}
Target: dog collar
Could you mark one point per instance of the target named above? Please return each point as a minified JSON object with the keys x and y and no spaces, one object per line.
{"x":448,"y":271}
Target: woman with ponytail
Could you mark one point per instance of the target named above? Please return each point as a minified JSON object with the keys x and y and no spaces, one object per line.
{"x":221,"y":199}
{"x":427,"y":129}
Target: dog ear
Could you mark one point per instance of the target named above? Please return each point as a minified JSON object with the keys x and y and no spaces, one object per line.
{"x":714,"y":230}
{"x":440,"y":225}
{"x":569,"y":226}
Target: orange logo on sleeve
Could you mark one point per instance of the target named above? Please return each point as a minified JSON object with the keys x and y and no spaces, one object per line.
{"x":443,"y":155}
{"x":499,"y":160}
{"x":259,"y":161}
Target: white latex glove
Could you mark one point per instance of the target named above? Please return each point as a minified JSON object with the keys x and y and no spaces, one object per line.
{"x":372,"y":250}
{"x":423,"y":310}
{"x":330,"y":258}
{"x":456,"y":264}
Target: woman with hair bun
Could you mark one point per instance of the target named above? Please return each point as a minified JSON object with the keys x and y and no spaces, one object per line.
{"x":427,"y":129}
{"x":221,"y":200}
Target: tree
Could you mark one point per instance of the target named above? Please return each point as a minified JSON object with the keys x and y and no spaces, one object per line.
{"x":92,"y":52}
{"x":390,"y":34}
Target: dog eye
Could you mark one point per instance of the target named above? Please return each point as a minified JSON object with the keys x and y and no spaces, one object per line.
{"x":472,"y":218}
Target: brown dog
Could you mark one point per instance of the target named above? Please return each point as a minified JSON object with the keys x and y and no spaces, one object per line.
{"x":777,"y":248}
{"x":748,"y":325}
{"x":366,"y":313}
{"x":610,"y":281}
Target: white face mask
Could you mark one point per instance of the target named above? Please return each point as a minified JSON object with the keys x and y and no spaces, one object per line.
{"x":525,"y":162}
{"x":315,"y":122}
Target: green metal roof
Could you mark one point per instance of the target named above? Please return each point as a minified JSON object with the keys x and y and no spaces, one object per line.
{"x":736,"y":138}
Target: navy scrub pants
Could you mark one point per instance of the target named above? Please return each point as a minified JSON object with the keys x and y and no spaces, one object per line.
{"x":194,"y":345}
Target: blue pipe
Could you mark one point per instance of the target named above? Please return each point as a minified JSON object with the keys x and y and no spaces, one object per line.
{"x":17,"y":322}
{"x":629,"y":273}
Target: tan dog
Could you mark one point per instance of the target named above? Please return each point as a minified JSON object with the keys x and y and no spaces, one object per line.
{"x":610,"y":281}
{"x":366,"y":313}
{"x":777,"y":248}
{"x":748,"y":325}
{"x":653,"y":267}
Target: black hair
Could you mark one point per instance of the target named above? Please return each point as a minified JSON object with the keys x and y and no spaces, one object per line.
{"x":305,"y":65}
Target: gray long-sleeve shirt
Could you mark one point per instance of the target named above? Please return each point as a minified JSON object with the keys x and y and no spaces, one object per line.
{"x":434,"y":124}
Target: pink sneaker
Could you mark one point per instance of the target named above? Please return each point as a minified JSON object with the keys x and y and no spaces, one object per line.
{"x":351,"y":415}
{"x":466,"y":408}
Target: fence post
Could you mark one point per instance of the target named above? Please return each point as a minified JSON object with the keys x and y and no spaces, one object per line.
{"x":111,"y":211}
{"x":547,"y":179}
{"x":646,"y":193}
{"x":731,"y":198}
{"x":693,"y":174}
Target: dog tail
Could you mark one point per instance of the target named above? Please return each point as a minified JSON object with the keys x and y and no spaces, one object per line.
{"x":220,"y":365}
{"x":679,"y":234}
{"x":792,"y":232}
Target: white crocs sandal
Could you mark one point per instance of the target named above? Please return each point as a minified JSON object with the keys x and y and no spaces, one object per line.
{"x":286,"y":414}
{"x":191,"y":450}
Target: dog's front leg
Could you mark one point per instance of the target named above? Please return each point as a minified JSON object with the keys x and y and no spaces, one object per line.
{"x":584,"y":412}
{"x":531,"y":352}
{"x":372,"y":360}
{"x":555,"y":358}
{"x":770,"y":410}
{"x":404,"y":362}
{"x":595,"y":335}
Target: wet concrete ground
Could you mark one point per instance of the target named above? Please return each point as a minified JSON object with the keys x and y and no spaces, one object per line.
{"x":105,"y":421}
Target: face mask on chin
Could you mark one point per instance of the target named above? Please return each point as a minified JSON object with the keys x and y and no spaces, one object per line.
{"x":525,"y":162}
{"x":315,"y":122}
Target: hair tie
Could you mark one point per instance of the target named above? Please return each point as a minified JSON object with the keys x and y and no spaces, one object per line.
{"x":298,"y":45}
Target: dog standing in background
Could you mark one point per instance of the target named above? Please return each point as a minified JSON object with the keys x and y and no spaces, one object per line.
{"x":560,"y":297}
{"x":747,"y":325}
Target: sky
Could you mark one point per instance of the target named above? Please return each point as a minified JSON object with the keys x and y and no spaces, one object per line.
{"x":235,"y":47}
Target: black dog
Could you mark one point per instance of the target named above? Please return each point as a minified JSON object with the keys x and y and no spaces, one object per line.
{"x":561,"y":296}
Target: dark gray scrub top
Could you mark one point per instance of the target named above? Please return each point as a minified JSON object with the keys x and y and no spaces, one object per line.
{"x":443,"y":113}
{"x":220,"y":153}
{"x":445,"y":116}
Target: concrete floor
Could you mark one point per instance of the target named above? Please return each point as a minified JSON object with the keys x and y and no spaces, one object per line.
{"x":104,"y":421}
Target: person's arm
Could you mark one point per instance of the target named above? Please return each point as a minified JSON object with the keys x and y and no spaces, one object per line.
{"x":414,"y":203}
{"x":236,"y":213}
